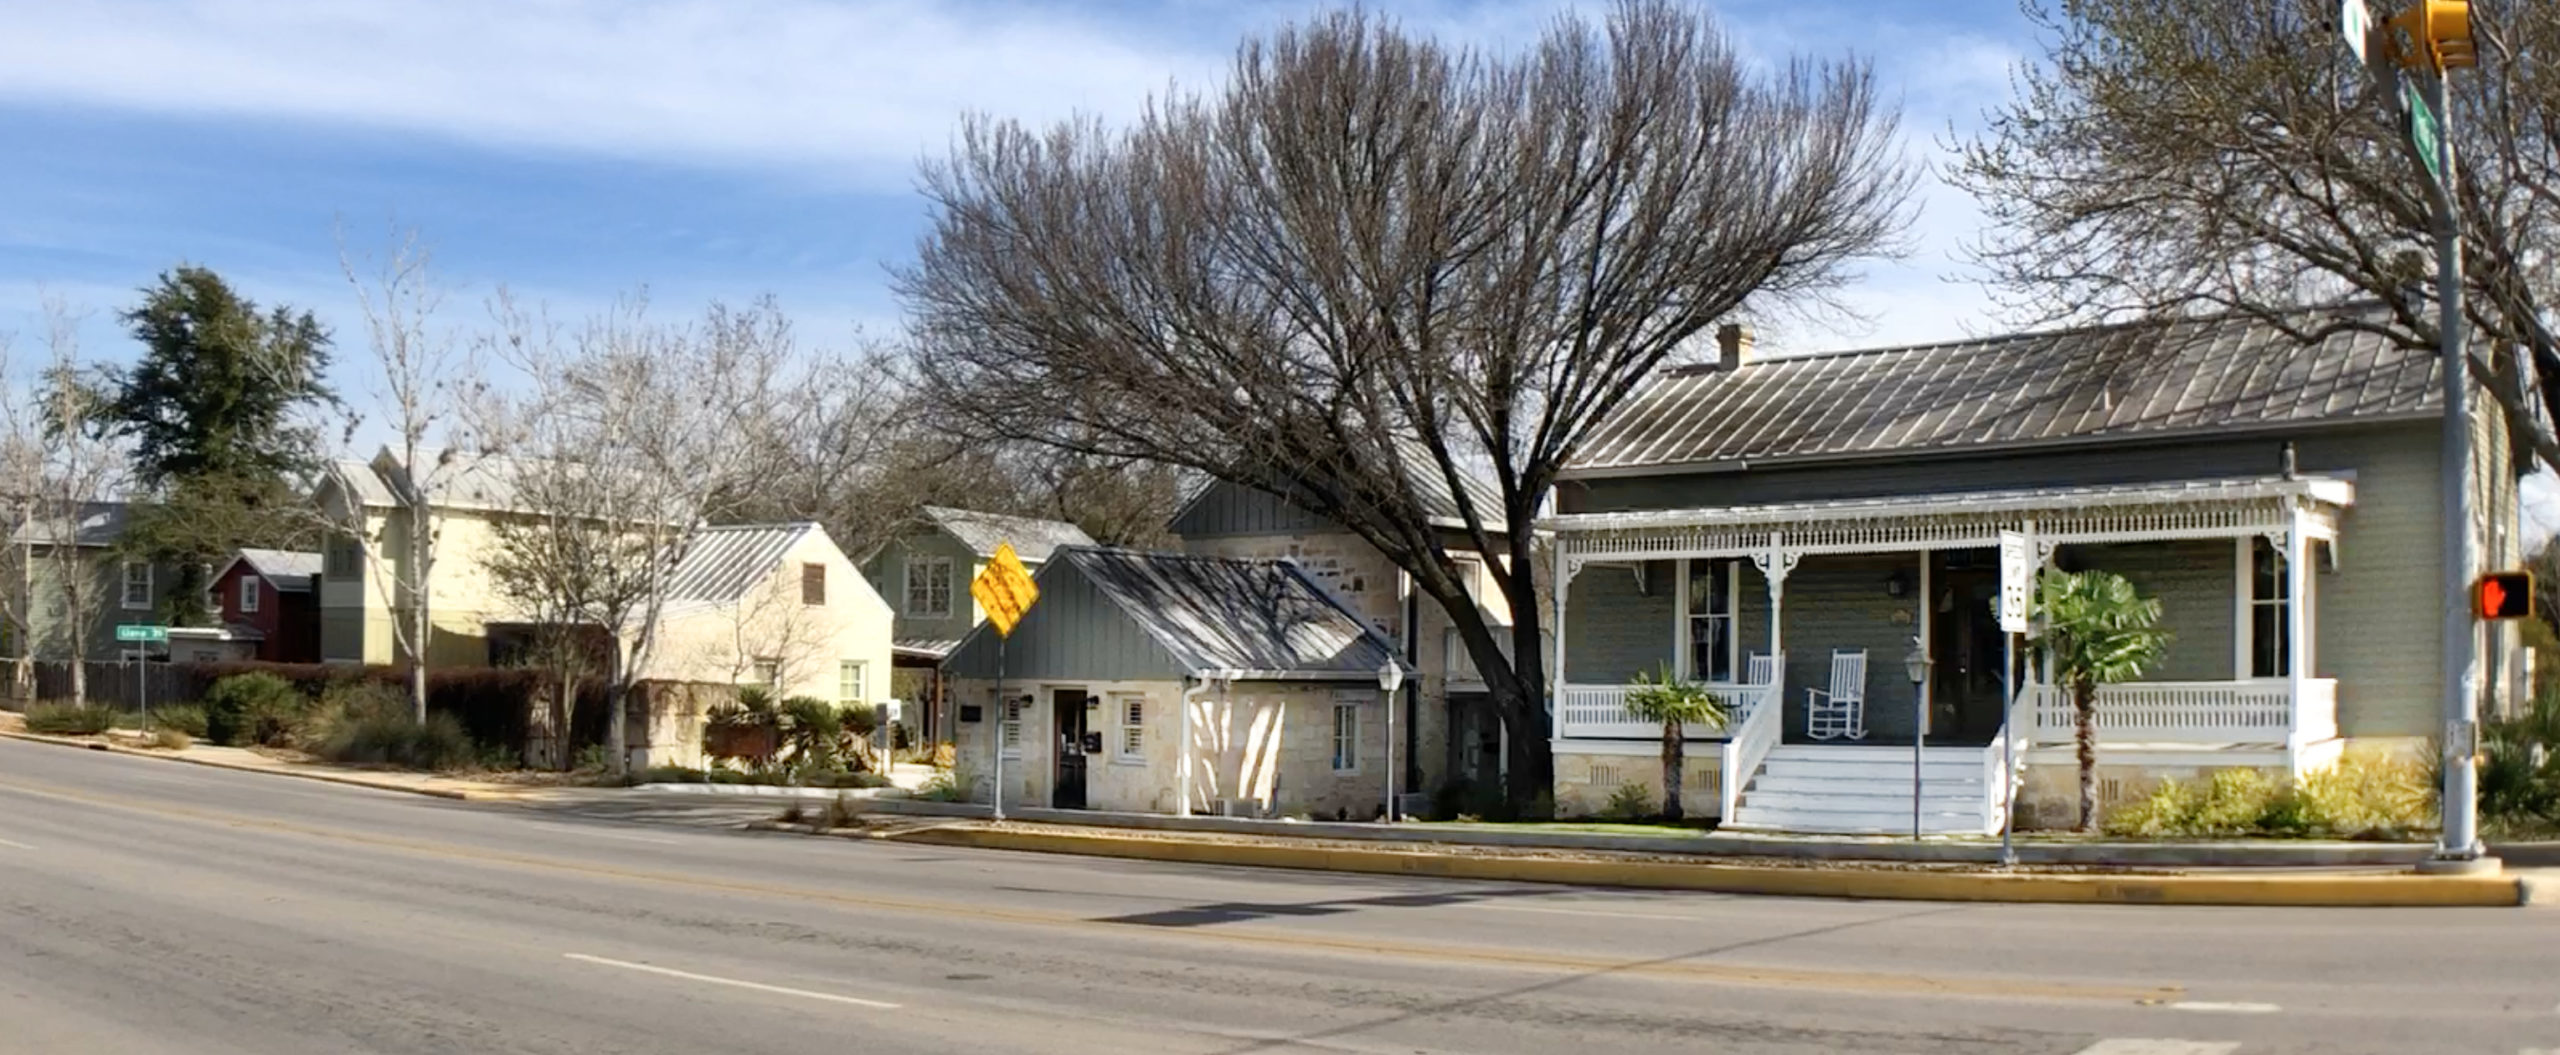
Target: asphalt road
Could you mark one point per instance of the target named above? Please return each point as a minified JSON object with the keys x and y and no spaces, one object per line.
{"x":150,"y":906}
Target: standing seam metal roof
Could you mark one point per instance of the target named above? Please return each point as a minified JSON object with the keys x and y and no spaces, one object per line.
{"x":1032,"y":538}
{"x":721,"y":565}
{"x":2152,"y":378}
{"x":1227,"y":614}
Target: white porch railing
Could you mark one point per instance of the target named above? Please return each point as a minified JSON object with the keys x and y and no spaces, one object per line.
{"x":2261,"y":711}
{"x":1599,"y":712}
{"x":1755,"y":732}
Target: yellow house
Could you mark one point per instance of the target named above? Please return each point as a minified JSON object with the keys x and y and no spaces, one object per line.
{"x":366,"y":583}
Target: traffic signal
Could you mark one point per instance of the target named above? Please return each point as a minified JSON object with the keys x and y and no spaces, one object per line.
{"x":2439,"y":35}
{"x":2504,"y":595}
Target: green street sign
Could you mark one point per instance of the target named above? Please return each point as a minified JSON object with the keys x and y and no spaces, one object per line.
{"x":141,"y":632}
{"x":2424,"y":133}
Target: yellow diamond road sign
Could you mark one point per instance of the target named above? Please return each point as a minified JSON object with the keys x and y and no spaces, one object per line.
{"x":1004,"y":589}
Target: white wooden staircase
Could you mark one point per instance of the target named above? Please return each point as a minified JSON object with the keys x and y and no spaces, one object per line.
{"x":1832,"y":788}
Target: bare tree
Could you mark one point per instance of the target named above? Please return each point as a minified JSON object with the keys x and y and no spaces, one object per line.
{"x":630,"y":436}
{"x":2170,"y":157}
{"x":1370,"y":268}
{"x":60,"y":472}
{"x":426,"y":378}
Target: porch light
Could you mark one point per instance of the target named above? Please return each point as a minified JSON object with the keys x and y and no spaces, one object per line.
{"x":1898,"y":584}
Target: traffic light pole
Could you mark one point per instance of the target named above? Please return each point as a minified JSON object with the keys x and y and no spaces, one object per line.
{"x":2460,"y":843}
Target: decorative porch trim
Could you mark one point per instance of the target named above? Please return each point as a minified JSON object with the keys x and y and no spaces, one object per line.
{"x":2062,"y":516}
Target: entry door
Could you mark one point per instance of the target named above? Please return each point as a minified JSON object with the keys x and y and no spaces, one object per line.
{"x":1067,"y":711}
{"x":1965,"y":691}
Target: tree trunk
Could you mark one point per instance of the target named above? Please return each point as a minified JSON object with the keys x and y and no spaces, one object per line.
{"x":2084,"y":707}
{"x":616,"y":700}
{"x":421,"y":556}
{"x":1671,"y":751}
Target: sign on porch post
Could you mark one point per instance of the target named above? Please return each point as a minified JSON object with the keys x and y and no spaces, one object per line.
{"x":2017,"y":582}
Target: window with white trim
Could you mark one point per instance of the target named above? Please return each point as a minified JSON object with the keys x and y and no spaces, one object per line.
{"x":1715,"y":640}
{"x":849,"y":687}
{"x":1009,"y":729}
{"x":1471,"y":576}
{"x":929,"y":587}
{"x":248,"y":594}
{"x":769,"y":674}
{"x":2267,"y":643}
{"x":1346,"y":736}
{"x":1131,"y":713}
{"x":137,"y":584}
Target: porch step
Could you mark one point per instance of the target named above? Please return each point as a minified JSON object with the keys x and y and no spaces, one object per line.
{"x":1861,"y":789}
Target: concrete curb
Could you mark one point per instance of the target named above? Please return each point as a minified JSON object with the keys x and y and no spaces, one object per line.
{"x":2334,"y":891}
{"x":348,"y":779}
{"x":2258,"y":854}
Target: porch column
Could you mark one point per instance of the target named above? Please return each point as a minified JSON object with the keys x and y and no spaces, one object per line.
{"x":1563,"y":574}
{"x":2297,"y":617}
{"x":1775,"y":563}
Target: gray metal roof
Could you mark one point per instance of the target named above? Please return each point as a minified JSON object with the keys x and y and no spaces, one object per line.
{"x":1032,"y":538}
{"x":100,"y":524}
{"x":1227,"y":616}
{"x":288,"y":570}
{"x":721,"y":565}
{"x":2141,"y":379}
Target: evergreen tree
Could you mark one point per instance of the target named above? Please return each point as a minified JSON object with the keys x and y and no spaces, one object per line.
{"x":216,"y":411}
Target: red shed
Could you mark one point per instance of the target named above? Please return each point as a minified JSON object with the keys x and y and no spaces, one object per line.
{"x":275,"y":592}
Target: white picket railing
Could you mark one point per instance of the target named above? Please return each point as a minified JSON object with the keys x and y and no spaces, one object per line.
{"x":1599,"y":712}
{"x":2255,"y":711}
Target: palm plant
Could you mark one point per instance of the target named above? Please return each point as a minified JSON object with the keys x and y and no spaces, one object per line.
{"x":1674,"y":701}
{"x":2094,"y":629}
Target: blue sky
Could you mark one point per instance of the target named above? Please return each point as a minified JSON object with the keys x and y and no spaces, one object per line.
{"x":576,"y":149}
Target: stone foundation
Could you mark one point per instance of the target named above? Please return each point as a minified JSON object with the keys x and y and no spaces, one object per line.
{"x":1585,"y":782}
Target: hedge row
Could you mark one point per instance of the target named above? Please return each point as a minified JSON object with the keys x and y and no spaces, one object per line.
{"x":495,"y":705}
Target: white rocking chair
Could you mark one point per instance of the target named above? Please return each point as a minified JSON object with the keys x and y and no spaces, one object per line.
{"x":1763,"y":669}
{"x":1841,"y":712}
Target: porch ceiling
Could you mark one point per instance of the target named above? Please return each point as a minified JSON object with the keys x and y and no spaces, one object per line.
{"x":2118,"y":512}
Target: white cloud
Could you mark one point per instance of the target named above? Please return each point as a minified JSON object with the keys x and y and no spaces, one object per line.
{"x":856,"y":88}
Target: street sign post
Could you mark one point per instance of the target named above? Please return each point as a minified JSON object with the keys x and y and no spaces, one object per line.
{"x":1006,"y":591}
{"x":2017,"y":585}
{"x":145,"y":634}
{"x":2425,"y":133}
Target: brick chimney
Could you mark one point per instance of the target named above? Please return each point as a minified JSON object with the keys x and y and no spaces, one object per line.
{"x":1733,"y":345}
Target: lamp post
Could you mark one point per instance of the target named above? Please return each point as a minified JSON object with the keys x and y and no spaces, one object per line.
{"x":1915,"y":664}
{"x":1390,"y":678}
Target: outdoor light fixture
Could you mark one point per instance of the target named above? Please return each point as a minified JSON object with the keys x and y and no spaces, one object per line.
{"x":1390,"y":678}
{"x":1898,"y":584}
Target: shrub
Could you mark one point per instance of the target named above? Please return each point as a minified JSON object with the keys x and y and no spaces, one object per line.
{"x":70,"y":719}
{"x":948,"y":785}
{"x":1630,"y":802}
{"x":375,"y":737}
{"x":2359,"y":798}
{"x":186,"y":718}
{"x":171,"y":739}
{"x":669,"y":775}
{"x":255,"y":708}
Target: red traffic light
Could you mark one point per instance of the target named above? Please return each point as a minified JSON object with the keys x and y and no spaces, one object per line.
{"x":2504,"y":595}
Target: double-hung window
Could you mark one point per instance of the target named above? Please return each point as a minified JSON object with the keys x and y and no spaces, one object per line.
{"x":1131,"y":713}
{"x":929,"y":587}
{"x":1009,"y":729}
{"x":849,"y":686}
{"x":1346,"y":736}
{"x":248,"y":594}
{"x":2269,"y":648}
{"x":1715,"y":640}
{"x":137,"y":585}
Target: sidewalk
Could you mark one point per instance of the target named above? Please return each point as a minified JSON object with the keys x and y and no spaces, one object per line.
{"x":430,"y":784}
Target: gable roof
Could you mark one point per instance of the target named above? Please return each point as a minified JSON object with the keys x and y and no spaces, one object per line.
{"x":2131,"y":380}
{"x":290,"y":571}
{"x":1438,"y":502}
{"x":722,"y":565}
{"x":100,"y":524}
{"x":458,"y":480}
{"x":1228,"y":617}
{"x":1033,"y":538}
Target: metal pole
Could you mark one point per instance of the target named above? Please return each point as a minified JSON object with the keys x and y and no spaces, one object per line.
{"x":1003,"y":708}
{"x":2008,"y":747}
{"x":2461,"y":839}
{"x":1919,"y":738}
